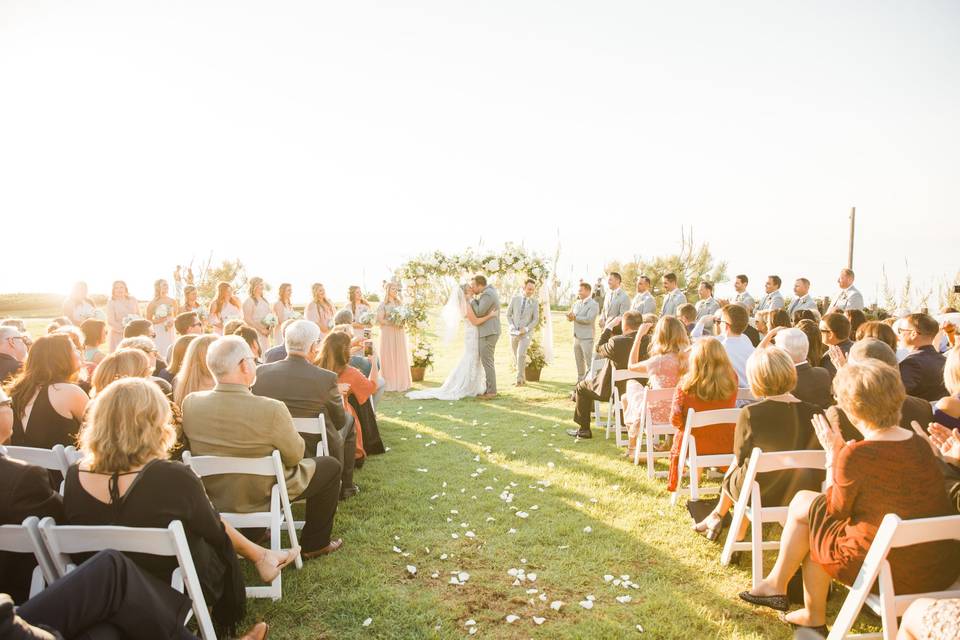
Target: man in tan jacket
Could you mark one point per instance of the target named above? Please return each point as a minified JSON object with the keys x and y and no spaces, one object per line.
{"x":231,"y":421}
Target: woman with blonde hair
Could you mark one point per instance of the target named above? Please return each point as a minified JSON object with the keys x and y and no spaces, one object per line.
{"x":358,"y":306}
{"x":122,"y":363}
{"x":194,"y":374}
{"x":126,"y":479}
{"x":78,"y":306}
{"x":120,"y":307}
{"x":283,"y":310}
{"x":320,"y":310}
{"x":709,"y":383}
{"x":256,"y":310}
{"x":778,"y":422}
{"x":223,"y":308}
{"x":178,"y":355}
{"x":665,"y":363}
{"x":394,"y":355}
{"x":162,"y":311}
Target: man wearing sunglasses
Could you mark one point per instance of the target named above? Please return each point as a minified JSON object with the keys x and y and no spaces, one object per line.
{"x":13,"y":351}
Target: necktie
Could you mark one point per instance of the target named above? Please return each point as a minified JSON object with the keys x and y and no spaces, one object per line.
{"x":523,"y":306}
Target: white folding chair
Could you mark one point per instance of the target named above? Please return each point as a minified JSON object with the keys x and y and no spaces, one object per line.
{"x":280,"y":512}
{"x":62,"y":541}
{"x":892,"y":534}
{"x":651,"y":429}
{"x":749,"y":505}
{"x":54,"y":459}
{"x":25,"y":538}
{"x":314,"y":426}
{"x":595,"y":366}
{"x":615,"y":410}
{"x":688,"y":449}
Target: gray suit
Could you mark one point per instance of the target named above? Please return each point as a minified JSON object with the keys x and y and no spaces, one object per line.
{"x":706,"y":307}
{"x":644,"y":303}
{"x":488,"y":332}
{"x":615,"y":305}
{"x":746,"y":300}
{"x":672,"y":302}
{"x":802,"y":302}
{"x":584,"y":315}
{"x":771,"y":301}
{"x":848,"y":298}
{"x":522,"y":315}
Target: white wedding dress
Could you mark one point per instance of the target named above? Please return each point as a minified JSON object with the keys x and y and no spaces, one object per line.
{"x":467,"y":379}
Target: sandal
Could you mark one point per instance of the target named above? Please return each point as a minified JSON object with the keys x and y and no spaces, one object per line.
{"x":710,"y":527}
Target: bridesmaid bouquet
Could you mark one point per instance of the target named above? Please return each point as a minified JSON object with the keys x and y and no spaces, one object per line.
{"x":162,"y":311}
{"x":366,"y":318}
{"x":400,"y":315}
{"x":269,"y":320}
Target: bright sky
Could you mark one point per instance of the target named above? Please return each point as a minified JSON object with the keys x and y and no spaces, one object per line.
{"x":330,"y":141}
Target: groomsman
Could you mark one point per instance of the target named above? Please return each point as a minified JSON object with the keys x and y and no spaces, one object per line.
{"x":674,"y":297}
{"x":523,"y":315}
{"x":802,"y":299}
{"x":583,"y":314}
{"x":743,"y":296}
{"x":773,"y":299}
{"x":644,"y":302}
{"x":706,"y":305}
{"x":849,"y":297}
{"x":617,"y":301}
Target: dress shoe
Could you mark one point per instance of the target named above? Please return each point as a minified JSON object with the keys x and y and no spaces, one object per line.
{"x":349,"y":492}
{"x":325,"y":551}
{"x":576,"y":433}
{"x":258,"y":631}
{"x":487,"y":396}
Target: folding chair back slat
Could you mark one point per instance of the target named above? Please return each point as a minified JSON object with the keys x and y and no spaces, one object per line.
{"x":53,"y":459}
{"x":688,"y":448}
{"x":315,"y":426}
{"x":650,"y":429}
{"x":615,"y":410}
{"x":25,"y":538}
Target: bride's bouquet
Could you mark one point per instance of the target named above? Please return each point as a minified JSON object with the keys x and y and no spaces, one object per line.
{"x":400,"y":315}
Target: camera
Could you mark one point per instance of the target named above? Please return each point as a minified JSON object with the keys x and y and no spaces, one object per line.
{"x":368,"y":348}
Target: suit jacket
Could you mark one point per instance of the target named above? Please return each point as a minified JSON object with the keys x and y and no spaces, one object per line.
{"x":672,"y":301}
{"x":827,"y":363}
{"x":26,"y":492}
{"x":616,"y":350}
{"x":523,"y":313}
{"x":848,"y":298}
{"x":644,"y":303}
{"x":813,"y":385}
{"x":306,"y":389}
{"x":913,"y":409}
{"x":707,"y":307}
{"x":922,"y":374}
{"x":487,"y":302}
{"x":746,"y":300}
{"x":615,"y":305}
{"x":584,"y":315}
{"x":771,"y":301}
{"x":231,"y":421}
{"x":802,"y":302}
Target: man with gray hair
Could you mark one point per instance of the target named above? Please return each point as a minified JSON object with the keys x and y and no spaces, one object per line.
{"x":344,"y":316}
{"x":309,"y":391}
{"x":230,"y":421}
{"x":13,"y":352}
{"x":813,"y":383}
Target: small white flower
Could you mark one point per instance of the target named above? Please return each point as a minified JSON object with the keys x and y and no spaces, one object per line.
{"x":556,"y":604}
{"x":368,"y":622}
{"x":522,"y":514}
{"x":412,"y":570}
{"x":586,"y":604}
{"x":512,"y":618}
{"x":538,"y":620}
{"x":470,"y":623}
{"x":588,"y":529}
{"x":624,"y":599}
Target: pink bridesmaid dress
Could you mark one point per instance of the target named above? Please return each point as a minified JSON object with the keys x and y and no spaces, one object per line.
{"x":394,"y":358}
{"x":217,"y":320}
{"x":253,"y":314}
{"x":117,"y":310}
{"x":283,"y":313}
{"x":316,"y":313}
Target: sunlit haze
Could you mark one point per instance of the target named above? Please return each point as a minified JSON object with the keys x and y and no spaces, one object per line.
{"x":323,"y":141}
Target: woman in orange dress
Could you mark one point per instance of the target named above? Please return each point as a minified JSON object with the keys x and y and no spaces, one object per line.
{"x":395,"y":358}
{"x":709,"y":383}
{"x":356,"y":388}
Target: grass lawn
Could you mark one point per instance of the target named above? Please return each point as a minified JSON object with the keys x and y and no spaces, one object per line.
{"x":434,"y":501}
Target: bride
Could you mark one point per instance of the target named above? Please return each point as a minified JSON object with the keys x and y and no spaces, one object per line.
{"x":467,"y":378}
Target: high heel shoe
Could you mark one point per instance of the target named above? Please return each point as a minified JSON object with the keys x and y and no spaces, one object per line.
{"x":711,"y":531}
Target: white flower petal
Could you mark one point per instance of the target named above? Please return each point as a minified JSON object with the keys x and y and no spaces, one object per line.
{"x":586,"y":604}
{"x":624,"y":599}
{"x":588,"y":529}
{"x":512,"y":618}
{"x":556,"y":604}
{"x":470,"y":623}
{"x":368,"y":622}
{"x":537,"y":620}
{"x":607,"y":578}
{"x":412,"y":570}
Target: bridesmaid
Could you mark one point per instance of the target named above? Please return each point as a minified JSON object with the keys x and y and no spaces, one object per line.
{"x":283,"y":309}
{"x":120,"y":306}
{"x":358,"y":305}
{"x":255,"y":309}
{"x":162,"y":311}
{"x":78,"y":307}
{"x":224,"y":307}
{"x":320,"y":310}
{"x":190,"y":303}
{"x":394,"y":361}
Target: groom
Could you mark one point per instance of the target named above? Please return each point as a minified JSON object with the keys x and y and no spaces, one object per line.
{"x":489,"y":332}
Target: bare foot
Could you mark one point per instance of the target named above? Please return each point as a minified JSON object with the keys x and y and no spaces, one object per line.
{"x":272,"y":562}
{"x":803,"y":618}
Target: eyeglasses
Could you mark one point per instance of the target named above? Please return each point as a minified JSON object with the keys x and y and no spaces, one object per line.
{"x":903,"y":330}
{"x":825,"y":331}
{"x":197,"y":324}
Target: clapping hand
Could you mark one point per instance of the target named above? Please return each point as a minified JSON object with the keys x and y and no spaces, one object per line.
{"x":946,"y":441}
{"x":344,"y":387}
{"x":644,"y":329}
{"x":828,"y":434}
{"x":837,"y":356}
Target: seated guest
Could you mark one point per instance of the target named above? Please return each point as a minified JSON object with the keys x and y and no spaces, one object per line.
{"x":94,"y":336}
{"x":252,"y":337}
{"x":278,"y":352}
{"x":178,"y":353}
{"x":779,"y":318}
{"x":879,"y":330}
{"x":813,"y":383}
{"x":738,"y":346}
{"x":231,"y":421}
{"x":27,"y":492}
{"x":194,"y":374}
{"x":666,"y":361}
{"x":815,"y":348}
{"x":945,"y":444}
{"x":947,"y":410}
{"x":707,"y":304}
{"x":762,"y":320}
{"x":913,"y":409}
{"x":356,"y":388}
{"x":804,"y":314}
{"x":185,"y":324}
{"x":835,"y":332}
{"x":125,"y":479}
{"x":802,"y":300}
{"x":122,"y":363}
{"x":687,"y":313}
{"x":931,"y":619}
{"x":108,"y":596}
{"x":309,"y":391}
{"x":230,"y":326}
{"x":856,"y":317}
{"x":47,"y":406}
{"x":357,"y":361}
{"x":778,"y":422}
{"x":616,"y":349}
{"x":13,"y":351}
{"x":161,"y":376}
{"x":922,"y":369}
{"x":750,"y":331}
{"x":139,"y":327}
{"x":830,"y":533}
{"x":708,"y":383}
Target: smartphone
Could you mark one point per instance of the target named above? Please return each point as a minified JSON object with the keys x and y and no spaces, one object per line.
{"x":367,"y":333}
{"x":368,"y":348}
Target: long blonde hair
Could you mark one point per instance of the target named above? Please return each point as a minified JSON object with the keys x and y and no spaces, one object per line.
{"x":709,"y":376}
{"x":129,"y":424}
{"x":224,"y":287}
{"x":323,"y":302}
{"x":255,"y":282}
{"x":396,"y":292}
{"x":669,"y":336}
{"x":194,"y":374}
{"x":285,"y":286}
{"x":123,"y":363}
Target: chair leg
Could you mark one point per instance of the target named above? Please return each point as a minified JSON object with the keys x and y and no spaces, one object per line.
{"x":756,"y":546}
{"x":739,"y":512}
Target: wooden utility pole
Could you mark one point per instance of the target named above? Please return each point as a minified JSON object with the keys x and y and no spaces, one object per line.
{"x":853,"y":223}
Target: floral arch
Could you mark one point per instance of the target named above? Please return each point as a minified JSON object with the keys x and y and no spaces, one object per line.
{"x":426,"y":282}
